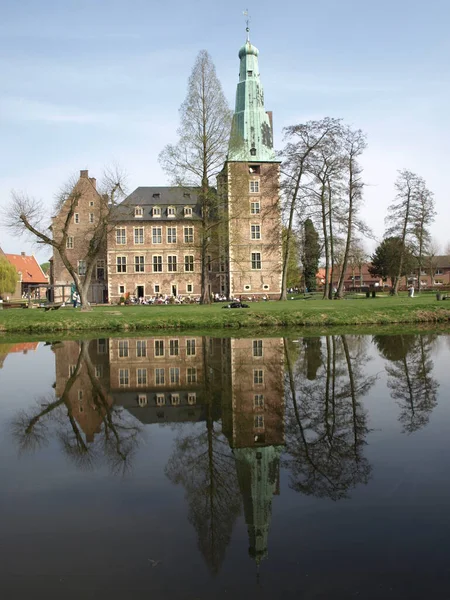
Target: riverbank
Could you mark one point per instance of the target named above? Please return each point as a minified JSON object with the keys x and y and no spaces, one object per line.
{"x":291,"y":313}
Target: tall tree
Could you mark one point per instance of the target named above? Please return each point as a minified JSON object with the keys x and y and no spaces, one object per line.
{"x":407,"y":217}
{"x":302,"y":143}
{"x":392,"y":260}
{"x":293,"y":272}
{"x":26,"y":214}
{"x":310,"y":255}
{"x":199,"y":154}
{"x":8,"y":276}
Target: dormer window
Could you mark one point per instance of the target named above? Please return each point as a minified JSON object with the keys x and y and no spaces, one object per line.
{"x":254,"y":169}
{"x":249,"y":73}
{"x":156,"y":211}
{"x":186,"y":195}
{"x":253,"y":151}
{"x":157,"y":195}
{"x":171,"y":211}
{"x":138,"y":212}
{"x":187,"y":211}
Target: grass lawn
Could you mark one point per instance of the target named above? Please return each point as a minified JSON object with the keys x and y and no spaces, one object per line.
{"x":291,"y":313}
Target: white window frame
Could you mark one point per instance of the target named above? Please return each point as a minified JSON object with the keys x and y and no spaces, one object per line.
{"x":189,"y":263}
{"x":138,"y":236}
{"x":157,"y":263}
{"x":81,"y":268}
{"x":188,"y":235}
{"x":122,"y":264}
{"x":76,"y":218}
{"x":255,"y":231}
{"x":254,"y":186}
{"x":139,"y":263}
{"x":171,"y":263}
{"x":138,"y":212}
{"x":171,"y":211}
{"x":171,"y":235}
{"x":121,"y":236}
{"x":69,"y":242}
{"x":157,"y":237}
{"x":256,"y":261}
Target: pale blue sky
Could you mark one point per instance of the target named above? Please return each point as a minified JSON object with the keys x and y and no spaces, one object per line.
{"x":85,"y":83}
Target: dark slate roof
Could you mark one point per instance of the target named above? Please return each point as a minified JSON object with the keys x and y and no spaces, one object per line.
{"x":148,"y":197}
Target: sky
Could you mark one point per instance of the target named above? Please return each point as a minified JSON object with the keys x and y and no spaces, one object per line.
{"x":87,"y":84}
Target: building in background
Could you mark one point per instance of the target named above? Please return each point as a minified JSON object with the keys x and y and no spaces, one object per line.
{"x":31,"y":279}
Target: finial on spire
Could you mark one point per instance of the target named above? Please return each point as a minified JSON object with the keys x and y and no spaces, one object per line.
{"x":247,"y":22}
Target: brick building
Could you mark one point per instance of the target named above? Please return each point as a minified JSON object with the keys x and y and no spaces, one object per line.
{"x":153,"y":245}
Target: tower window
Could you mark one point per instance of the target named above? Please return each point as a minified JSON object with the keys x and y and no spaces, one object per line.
{"x":253,"y":151}
{"x":254,"y":169}
{"x":249,"y":73}
{"x":256,"y":260}
{"x":255,"y":232}
{"x":254,"y":186}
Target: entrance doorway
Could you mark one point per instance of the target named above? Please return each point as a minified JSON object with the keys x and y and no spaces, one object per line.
{"x":174,"y":290}
{"x":140,"y":291}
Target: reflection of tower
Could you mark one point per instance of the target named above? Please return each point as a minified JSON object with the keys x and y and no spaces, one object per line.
{"x":254,"y":424}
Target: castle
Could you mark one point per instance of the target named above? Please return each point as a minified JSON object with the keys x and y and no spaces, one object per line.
{"x":153,"y":243}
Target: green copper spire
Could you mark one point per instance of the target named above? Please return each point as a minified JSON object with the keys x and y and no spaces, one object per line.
{"x":251,"y":132}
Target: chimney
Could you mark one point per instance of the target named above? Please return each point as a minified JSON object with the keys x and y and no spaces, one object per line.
{"x":23,"y":254}
{"x":84,"y":173}
{"x":94,"y":182}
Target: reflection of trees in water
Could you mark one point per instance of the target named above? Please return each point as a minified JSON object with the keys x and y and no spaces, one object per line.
{"x":410,"y":376}
{"x":117,"y":438}
{"x":325,"y":421}
{"x":203,"y":463}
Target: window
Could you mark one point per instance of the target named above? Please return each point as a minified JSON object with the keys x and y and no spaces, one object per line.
{"x":142,"y":400}
{"x":98,"y":371}
{"x":258,"y":401}
{"x":191,"y":375}
{"x":255,"y":232}
{"x":156,"y":212}
{"x":91,"y":217}
{"x":171,"y":211}
{"x":254,"y":186}
{"x":139,"y":264}
{"x":255,"y":208}
{"x":156,"y":288}
{"x":80,"y":394}
{"x":253,"y":151}
{"x":192,"y":398}
{"x":101,"y":270}
{"x":69,"y":243}
{"x":160,"y":399}
{"x":157,"y":264}
{"x":82,"y":268}
{"x":266,"y":286}
{"x":173,"y":348}
{"x":439,"y":272}
{"x":247,"y":287}
{"x":121,"y":264}
{"x":171,"y":264}
{"x":121,"y":236}
{"x":138,"y":212}
{"x":174,"y":373}
{"x":258,"y":376}
{"x":123,"y":348}
{"x":101,"y":346}
{"x":259,"y":422}
{"x":159,"y":377}
{"x":190,"y":347}
{"x":256,"y":260}
{"x":188,"y":235}
{"x":72,"y":369}
{"x":138,"y":235}
{"x":124,"y":377}
{"x":121,"y":289}
{"x":187,"y":211}
{"x":171,"y":235}
{"x":254,"y":169}
{"x":141,"y":376}
{"x":159,"y":347}
{"x":157,"y":235}
{"x":175,"y":399}
{"x":76,"y":218}
{"x":189,"y":263}
{"x":91,"y":203}
{"x":189,"y":288}
{"x":257,"y":347}
{"x":141,"y":348}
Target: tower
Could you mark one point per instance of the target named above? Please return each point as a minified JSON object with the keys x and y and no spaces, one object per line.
{"x":250,"y":180}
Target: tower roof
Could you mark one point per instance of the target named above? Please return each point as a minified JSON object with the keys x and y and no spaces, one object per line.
{"x":251,"y":133}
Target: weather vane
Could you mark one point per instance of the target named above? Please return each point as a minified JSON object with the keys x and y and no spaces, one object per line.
{"x":247,"y":22}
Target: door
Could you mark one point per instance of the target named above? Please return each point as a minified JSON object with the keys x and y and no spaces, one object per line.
{"x":174,"y":290}
{"x":140,"y":291}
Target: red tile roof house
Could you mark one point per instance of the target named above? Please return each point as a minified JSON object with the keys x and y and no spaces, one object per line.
{"x":30,"y":275}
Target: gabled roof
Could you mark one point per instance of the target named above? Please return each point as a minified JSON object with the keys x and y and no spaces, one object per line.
{"x":28,"y":267}
{"x":149,"y":197}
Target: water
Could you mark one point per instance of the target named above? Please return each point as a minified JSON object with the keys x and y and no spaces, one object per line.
{"x":199,"y":468}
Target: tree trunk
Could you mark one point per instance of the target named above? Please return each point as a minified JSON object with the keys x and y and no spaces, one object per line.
{"x":283,"y":295}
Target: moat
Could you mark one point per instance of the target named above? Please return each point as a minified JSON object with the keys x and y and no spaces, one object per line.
{"x":199,"y":467}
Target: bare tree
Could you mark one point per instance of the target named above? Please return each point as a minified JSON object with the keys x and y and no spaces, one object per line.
{"x":199,"y":154}
{"x":26,"y":214}
{"x":407,"y":216}
{"x":432,"y":258}
{"x":303,"y":141}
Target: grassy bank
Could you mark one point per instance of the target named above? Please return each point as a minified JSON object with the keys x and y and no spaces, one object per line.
{"x":292,"y":313}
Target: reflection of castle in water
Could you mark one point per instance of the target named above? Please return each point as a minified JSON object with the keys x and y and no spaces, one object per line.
{"x":184,"y":379}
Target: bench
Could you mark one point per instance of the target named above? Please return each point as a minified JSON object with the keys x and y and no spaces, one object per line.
{"x":51,"y":306}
